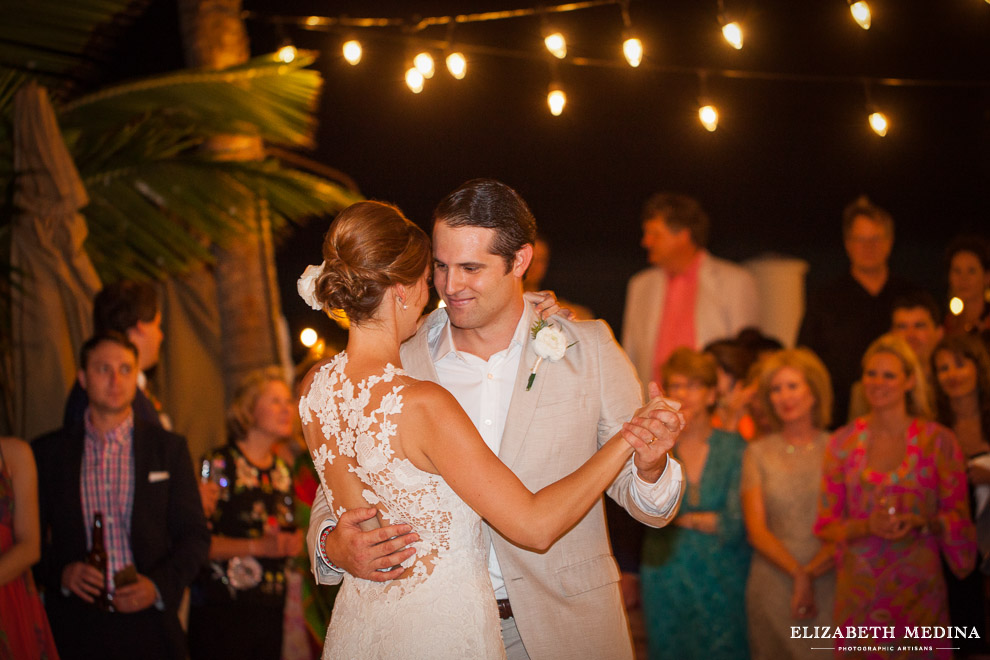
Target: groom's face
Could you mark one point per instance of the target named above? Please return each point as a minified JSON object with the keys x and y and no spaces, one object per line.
{"x":475,"y":284}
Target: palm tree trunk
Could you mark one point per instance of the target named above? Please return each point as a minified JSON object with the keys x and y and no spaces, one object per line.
{"x":214,"y":37}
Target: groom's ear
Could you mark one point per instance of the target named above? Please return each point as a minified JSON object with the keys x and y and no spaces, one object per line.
{"x":520,"y":263}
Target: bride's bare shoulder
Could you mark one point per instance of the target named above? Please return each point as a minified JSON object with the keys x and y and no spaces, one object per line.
{"x":425,"y":393}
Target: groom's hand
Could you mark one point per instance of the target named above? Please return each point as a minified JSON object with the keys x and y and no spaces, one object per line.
{"x":362,"y":553}
{"x":662,"y":417}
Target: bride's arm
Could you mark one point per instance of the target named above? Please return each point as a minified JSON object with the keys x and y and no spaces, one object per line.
{"x":438,"y":437}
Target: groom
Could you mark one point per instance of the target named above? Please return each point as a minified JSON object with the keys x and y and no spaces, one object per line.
{"x":565,"y":602}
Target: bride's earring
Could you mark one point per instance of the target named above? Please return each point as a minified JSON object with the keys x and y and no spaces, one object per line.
{"x":401,"y":302}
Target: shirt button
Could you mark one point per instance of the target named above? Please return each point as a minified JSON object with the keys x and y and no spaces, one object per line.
{"x":488,"y":422}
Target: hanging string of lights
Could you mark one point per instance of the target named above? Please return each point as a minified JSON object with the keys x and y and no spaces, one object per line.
{"x":421,"y":67}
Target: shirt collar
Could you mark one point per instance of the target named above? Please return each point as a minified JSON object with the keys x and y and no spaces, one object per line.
{"x":442,"y":344}
{"x":121,"y":434}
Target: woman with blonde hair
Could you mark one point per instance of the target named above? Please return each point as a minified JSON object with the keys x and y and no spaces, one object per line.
{"x":893,"y":500}
{"x":790,"y":577}
{"x":237,"y":602}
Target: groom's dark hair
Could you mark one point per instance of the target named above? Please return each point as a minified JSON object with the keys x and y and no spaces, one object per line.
{"x":493,"y":205}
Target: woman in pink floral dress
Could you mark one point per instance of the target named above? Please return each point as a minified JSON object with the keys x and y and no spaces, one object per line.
{"x":894,"y":498}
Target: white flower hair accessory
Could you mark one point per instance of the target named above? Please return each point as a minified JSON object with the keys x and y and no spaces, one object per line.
{"x":549,"y":343}
{"x":306,"y":285}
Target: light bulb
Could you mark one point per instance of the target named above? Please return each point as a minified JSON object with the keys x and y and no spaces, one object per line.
{"x":414,"y":80}
{"x":352,"y":51}
{"x":556,"y":99}
{"x":556,"y":44}
{"x":956,"y":304}
{"x":878,"y":122}
{"x":733,"y":34}
{"x":457,"y":65}
{"x":632,"y":49}
{"x":424,"y":63}
{"x":861,"y":13}
{"x":709,"y":117}
{"x":308,"y":337}
{"x":286,"y":53}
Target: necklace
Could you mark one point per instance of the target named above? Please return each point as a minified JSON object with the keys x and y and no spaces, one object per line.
{"x":791,"y":448}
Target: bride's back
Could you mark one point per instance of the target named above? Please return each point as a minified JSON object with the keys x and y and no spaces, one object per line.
{"x":354,"y":428}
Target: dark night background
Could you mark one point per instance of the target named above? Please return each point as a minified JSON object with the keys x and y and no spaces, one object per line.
{"x":788,"y":154}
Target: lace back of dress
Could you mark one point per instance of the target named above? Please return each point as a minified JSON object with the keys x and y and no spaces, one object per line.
{"x":359,"y":424}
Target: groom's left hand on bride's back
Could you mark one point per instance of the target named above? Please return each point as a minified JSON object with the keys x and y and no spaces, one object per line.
{"x":363,"y":554}
{"x":660,"y":420}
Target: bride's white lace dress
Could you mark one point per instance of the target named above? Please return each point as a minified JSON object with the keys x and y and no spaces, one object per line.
{"x":444,"y":606}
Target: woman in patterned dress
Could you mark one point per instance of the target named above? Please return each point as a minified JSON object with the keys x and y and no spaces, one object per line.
{"x":894,"y":499}
{"x":237,"y":602}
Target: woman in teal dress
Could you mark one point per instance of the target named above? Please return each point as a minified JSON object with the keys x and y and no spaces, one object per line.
{"x":693,"y":572}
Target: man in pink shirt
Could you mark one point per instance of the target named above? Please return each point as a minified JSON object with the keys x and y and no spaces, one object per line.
{"x":687,"y":297}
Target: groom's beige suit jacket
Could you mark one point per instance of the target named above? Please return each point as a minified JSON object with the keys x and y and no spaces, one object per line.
{"x":566,"y":601}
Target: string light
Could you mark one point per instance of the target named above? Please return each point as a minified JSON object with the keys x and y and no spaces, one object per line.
{"x":632,"y":50}
{"x":731,"y":30}
{"x":556,"y":99}
{"x":708,"y":115}
{"x":457,"y":65}
{"x":352,"y":51}
{"x":707,"y":112}
{"x":286,"y":53}
{"x":956,"y":304}
{"x":632,"y":47}
{"x":308,"y":337}
{"x":878,"y":122}
{"x":861,"y":13}
{"x":414,"y":80}
{"x":556,"y":44}
{"x":732,"y":33}
{"x":424,"y":64}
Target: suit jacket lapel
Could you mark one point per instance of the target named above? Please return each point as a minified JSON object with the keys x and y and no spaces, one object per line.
{"x":140,"y":451}
{"x":522,"y":407}
{"x":72,"y":494}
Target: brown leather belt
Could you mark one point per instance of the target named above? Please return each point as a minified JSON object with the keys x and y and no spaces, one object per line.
{"x":504,"y":608}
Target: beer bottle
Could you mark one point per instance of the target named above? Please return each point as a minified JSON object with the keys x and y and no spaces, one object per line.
{"x":97,"y":558}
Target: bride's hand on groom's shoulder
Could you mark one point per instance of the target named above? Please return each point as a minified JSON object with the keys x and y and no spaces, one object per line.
{"x":659,"y":423}
{"x":363,"y":554}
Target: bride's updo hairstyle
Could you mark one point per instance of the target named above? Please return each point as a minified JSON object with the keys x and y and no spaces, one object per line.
{"x":369,"y":247}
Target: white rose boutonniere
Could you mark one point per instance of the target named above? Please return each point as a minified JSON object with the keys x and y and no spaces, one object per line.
{"x":548,"y":343}
{"x":306,"y":285}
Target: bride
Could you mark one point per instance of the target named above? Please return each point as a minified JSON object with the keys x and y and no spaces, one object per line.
{"x":381,"y":438}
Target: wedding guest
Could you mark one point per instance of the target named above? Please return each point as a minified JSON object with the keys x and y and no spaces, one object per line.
{"x":687,"y":297}
{"x":969,"y":281}
{"x":732,"y":362}
{"x":132,"y":309}
{"x":893,"y":500}
{"x":914,"y":316}
{"x":24,"y":630}
{"x":790,"y":578}
{"x":962,"y":370}
{"x":538,"y":270}
{"x":847,"y":314}
{"x":693,"y":573}
{"x":238,"y":601}
{"x":139,"y":477}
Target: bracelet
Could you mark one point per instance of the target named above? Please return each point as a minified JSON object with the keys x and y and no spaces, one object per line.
{"x":321,"y":549}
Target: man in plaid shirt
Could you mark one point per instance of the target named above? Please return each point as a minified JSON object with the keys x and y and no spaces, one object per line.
{"x":140,"y":477}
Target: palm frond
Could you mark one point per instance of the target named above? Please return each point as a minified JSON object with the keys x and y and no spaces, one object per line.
{"x":52,"y":39}
{"x":263,"y":97}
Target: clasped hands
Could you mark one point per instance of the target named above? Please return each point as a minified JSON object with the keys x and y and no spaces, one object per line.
{"x":651,"y":433}
{"x":893,"y":526}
